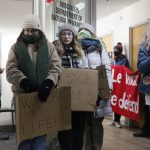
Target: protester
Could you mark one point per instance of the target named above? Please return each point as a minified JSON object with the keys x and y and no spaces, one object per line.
{"x":72,"y":56}
{"x":33,"y":65}
{"x":95,"y":56}
{"x":144,"y":87}
{"x":119,"y":59}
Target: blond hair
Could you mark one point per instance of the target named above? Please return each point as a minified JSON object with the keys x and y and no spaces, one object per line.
{"x":75,"y":45}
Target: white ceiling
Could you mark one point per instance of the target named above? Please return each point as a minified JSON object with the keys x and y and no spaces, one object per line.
{"x":107,"y":7}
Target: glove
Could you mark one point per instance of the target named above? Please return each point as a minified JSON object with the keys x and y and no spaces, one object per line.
{"x":28,"y":86}
{"x":45,"y":90}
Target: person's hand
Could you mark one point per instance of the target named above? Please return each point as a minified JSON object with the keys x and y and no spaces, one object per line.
{"x":45,"y":90}
{"x":28,"y":86}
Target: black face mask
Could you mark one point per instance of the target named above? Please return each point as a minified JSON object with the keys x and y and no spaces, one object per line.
{"x":117,"y":53}
{"x":30,"y":39}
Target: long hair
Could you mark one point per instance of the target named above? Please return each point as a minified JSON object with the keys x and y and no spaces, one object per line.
{"x":146,"y":40}
{"x":75,"y":45}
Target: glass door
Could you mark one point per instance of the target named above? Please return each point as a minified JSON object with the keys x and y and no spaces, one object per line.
{"x":58,"y":12}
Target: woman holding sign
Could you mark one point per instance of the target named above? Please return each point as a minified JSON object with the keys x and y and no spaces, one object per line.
{"x":33,"y":65}
{"x":119,"y":59}
{"x":72,"y":56}
{"x":95,"y":56}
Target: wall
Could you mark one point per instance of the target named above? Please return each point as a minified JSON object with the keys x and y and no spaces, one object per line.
{"x":11,"y":13}
{"x":118,"y":23}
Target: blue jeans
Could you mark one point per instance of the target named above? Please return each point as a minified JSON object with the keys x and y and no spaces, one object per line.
{"x":37,"y":143}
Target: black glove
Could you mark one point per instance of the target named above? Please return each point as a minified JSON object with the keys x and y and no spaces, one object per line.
{"x":28,"y":86}
{"x":45,"y":89}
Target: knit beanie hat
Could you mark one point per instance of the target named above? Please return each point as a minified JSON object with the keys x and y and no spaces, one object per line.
{"x":31,"y":21}
{"x":67,"y":26}
{"x":119,"y":47}
{"x":88,"y":27}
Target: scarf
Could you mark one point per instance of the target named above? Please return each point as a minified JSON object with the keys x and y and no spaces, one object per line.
{"x":70,"y":58}
{"x":38,"y":73}
{"x":91,"y":45}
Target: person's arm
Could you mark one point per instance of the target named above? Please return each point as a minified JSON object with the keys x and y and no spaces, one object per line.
{"x":143,"y":61}
{"x":83,"y":61}
{"x":107,"y":63}
{"x":13,"y":74}
{"x":53,"y":74}
{"x":126,"y":63}
{"x":54,"y":66}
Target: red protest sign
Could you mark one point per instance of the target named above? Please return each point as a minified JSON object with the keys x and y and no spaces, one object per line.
{"x":125,"y":95}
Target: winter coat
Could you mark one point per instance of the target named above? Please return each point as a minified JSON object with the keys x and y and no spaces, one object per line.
{"x":144,"y":66}
{"x":144,"y":60}
{"x":15,"y":76}
{"x":121,"y":60}
{"x":95,"y":59}
{"x":70,"y":59}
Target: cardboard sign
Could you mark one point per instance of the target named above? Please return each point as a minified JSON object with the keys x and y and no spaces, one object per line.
{"x":84,"y":88}
{"x":35,"y":118}
{"x":103,"y":86}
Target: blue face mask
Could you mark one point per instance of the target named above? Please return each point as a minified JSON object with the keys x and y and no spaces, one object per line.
{"x":84,"y":34}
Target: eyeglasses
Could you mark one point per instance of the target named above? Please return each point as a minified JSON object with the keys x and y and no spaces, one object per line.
{"x":31,"y":30}
{"x":63,"y":34}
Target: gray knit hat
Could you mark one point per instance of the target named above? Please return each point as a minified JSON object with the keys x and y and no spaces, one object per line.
{"x":67,"y":26}
{"x":31,"y":21}
{"x":88,"y":27}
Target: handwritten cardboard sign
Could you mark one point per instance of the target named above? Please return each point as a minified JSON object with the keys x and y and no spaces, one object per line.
{"x":84,"y":88}
{"x":103,"y":86}
{"x":35,"y":118}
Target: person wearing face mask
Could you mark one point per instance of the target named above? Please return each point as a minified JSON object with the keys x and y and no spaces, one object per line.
{"x":96,"y":55}
{"x":119,"y":59}
{"x":33,"y":65}
{"x":72,"y":56}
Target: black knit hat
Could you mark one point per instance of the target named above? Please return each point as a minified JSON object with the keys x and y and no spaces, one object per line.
{"x":119,"y":47}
